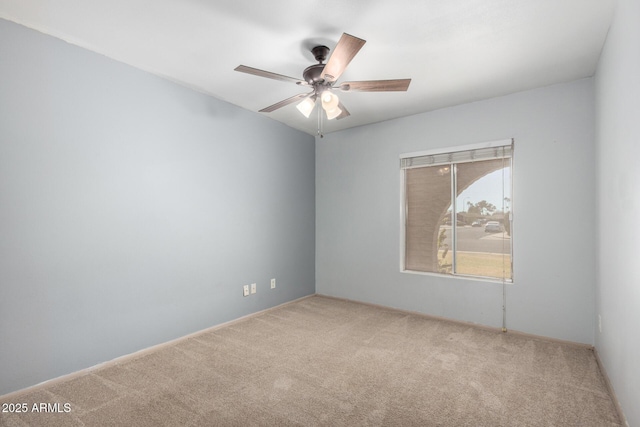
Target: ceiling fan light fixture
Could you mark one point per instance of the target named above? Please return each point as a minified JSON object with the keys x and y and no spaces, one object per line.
{"x":306,"y":106}
{"x":322,"y":79}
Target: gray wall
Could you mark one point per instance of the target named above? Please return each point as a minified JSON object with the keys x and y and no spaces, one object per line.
{"x":132,"y":210}
{"x":358,"y":212}
{"x":618,"y":176}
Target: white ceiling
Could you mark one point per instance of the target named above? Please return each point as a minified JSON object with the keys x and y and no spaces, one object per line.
{"x":456,"y":51}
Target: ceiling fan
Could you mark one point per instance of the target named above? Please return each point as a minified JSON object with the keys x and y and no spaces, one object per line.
{"x":322,"y":80}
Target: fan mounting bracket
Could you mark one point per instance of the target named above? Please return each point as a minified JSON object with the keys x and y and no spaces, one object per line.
{"x":320,"y":53}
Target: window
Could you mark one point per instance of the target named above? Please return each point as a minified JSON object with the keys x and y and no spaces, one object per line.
{"x":457,"y":211}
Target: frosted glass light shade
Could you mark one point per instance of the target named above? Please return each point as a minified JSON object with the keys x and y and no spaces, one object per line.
{"x":329,"y":101}
{"x":306,"y":106}
{"x":332,"y":114}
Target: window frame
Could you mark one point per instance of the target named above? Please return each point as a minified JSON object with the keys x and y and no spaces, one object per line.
{"x":403,"y":209}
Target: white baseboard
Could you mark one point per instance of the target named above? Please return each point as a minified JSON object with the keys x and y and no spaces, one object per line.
{"x":616,"y":402}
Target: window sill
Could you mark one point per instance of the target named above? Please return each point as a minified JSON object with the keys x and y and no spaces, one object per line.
{"x":460,"y":276}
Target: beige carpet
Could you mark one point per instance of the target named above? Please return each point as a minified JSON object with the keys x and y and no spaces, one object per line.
{"x":321,"y":361}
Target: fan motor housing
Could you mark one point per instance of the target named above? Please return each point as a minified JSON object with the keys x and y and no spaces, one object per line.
{"x":313,"y":74}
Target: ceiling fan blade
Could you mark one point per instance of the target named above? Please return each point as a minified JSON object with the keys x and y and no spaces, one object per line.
{"x":284,"y":102}
{"x":376,"y":85}
{"x":268,"y":74}
{"x":345,"y":112}
{"x":348,"y":46}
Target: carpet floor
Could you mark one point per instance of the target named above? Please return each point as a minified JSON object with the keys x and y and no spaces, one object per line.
{"x":326,"y":362}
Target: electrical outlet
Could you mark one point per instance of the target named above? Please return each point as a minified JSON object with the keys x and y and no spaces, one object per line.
{"x":245,"y":291}
{"x":253,"y":288}
{"x":273,"y":283}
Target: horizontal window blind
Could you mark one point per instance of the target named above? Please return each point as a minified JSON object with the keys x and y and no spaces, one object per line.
{"x":465,"y":156}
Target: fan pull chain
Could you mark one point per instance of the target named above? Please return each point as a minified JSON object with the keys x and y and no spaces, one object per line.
{"x":320,"y":123}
